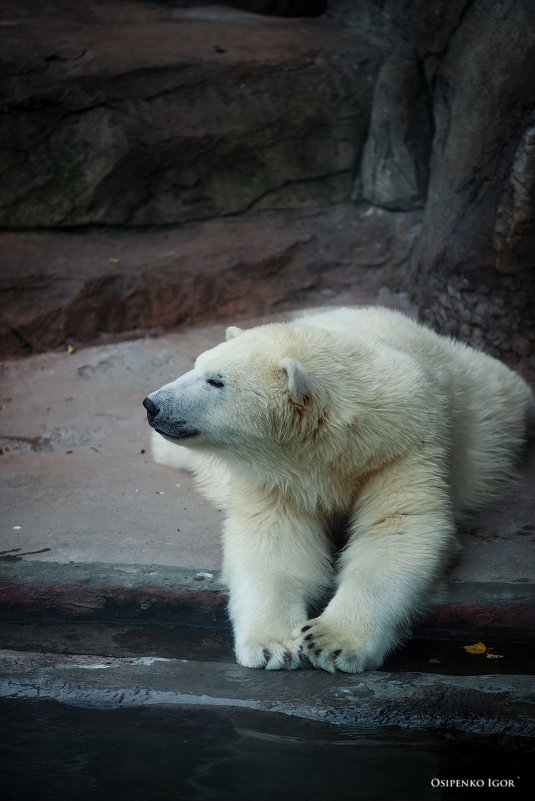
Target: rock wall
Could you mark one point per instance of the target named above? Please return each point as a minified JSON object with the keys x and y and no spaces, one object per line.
{"x":452,"y":130}
{"x":70,"y":287}
{"x":119,"y":115}
{"x":474,"y":268}
{"x":134,"y":115}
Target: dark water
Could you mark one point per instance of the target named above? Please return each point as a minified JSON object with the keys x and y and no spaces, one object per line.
{"x":51,"y":752}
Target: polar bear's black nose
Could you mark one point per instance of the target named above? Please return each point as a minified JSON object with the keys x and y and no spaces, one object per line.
{"x":152,"y":409}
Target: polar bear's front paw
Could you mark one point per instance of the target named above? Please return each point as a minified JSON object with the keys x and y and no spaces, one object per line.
{"x":331,"y":648}
{"x":271,"y":655}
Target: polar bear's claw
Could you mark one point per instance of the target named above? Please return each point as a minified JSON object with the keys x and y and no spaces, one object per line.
{"x":272,"y":655}
{"x":330,"y":649}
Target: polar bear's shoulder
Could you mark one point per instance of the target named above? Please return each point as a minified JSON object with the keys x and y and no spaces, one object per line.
{"x":368,"y":318}
{"x":386,"y":327}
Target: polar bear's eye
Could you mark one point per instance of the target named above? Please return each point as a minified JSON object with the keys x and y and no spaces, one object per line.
{"x":215,"y":383}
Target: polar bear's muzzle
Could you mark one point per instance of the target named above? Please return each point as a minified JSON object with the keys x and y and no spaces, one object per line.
{"x":161,"y":421}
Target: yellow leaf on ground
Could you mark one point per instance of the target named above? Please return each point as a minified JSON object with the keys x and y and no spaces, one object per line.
{"x":494,"y":656}
{"x":476,"y":648}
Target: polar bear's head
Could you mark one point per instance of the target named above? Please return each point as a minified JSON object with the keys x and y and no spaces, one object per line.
{"x":253,"y":387}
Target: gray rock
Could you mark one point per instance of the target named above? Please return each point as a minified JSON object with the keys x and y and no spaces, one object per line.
{"x":387,"y":20}
{"x":395,"y":162}
{"x":127,"y":116}
{"x":479,"y":209}
{"x":515,"y":219}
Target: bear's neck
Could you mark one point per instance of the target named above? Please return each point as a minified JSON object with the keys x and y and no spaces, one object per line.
{"x":327,"y":487}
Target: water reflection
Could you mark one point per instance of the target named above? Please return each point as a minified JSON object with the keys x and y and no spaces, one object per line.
{"x":60,"y":753}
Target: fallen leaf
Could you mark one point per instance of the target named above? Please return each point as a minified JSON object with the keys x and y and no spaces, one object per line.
{"x":70,"y":349}
{"x":494,"y":656}
{"x":113,"y":261}
{"x":476,"y":648}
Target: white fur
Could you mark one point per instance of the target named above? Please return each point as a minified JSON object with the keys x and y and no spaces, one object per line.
{"x":355,"y":420}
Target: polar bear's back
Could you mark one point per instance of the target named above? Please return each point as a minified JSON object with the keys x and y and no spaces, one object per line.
{"x":490,"y":406}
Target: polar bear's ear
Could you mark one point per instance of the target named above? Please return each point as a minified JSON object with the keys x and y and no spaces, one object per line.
{"x":298,"y":381}
{"x":232,"y":332}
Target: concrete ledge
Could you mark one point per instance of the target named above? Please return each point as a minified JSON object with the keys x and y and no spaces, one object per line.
{"x":99,"y":590}
{"x":143,"y":593}
{"x":486,"y":704}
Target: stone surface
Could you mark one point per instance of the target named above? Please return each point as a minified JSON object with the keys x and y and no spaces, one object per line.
{"x":486,"y":704}
{"x":514,"y":218}
{"x":382,"y":19}
{"x":395,"y":161}
{"x":112,"y":281}
{"x":478,"y":224}
{"x":129,"y":113}
{"x":472,"y":270}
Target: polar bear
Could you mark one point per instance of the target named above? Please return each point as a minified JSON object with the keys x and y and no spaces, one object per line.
{"x":344,"y":446}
